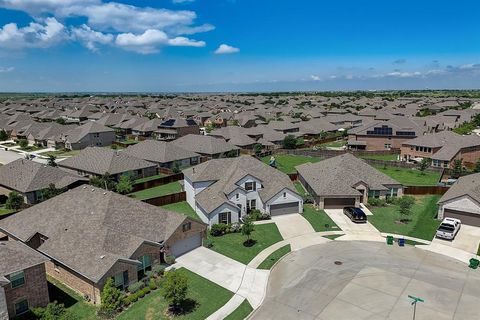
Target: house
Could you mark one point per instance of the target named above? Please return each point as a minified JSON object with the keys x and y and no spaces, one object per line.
{"x":29,"y":178}
{"x":207,"y":146}
{"x":91,"y":235}
{"x":443,"y":148}
{"x":225,"y":190}
{"x":383,"y":135}
{"x":95,"y":161}
{"x":462,"y":201}
{"x":88,"y":135}
{"x":174,"y":128}
{"x":345,"y":181}
{"x":164,"y":154}
{"x":23,"y":281}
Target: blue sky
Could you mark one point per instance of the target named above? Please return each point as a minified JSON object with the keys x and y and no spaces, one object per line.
{"x":238,"y":45}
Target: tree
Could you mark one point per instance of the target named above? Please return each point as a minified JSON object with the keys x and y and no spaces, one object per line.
{"x":3,"y":135}
{"x":111,"y":297}
{"x":61,"y":121}
{"x":125,"y":184}
{"x":457,"y":168}
{"x":23,"y":143}
{"x":176,"y":167}
{"x":477,"y":166}
{"x":232,"y":153}
{"x":424,"y":164}
{"x":14,"y":201}
{"x":257,"y":148}
{"x":51,"y":192}
{"x":51,"y":161}
{"x":209,"y":128}
{"x":289,"y":142}
{"x":405,"y":204}
{"x":247,"y":228}
{"x":105,"y":181}
{"x":175,"y":288}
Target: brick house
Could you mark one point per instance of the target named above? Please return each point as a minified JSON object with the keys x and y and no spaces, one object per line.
{"x":23,"y":282}
{"x":92,"y":235}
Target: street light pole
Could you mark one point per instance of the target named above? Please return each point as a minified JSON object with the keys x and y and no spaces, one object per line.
{"x":414,"y":303}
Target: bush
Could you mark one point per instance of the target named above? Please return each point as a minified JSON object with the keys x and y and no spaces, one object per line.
{"x":218,"y":229}
{"x":146,"y":290}
{"x":158,"y":269}
{"x":150,"y":274}
{"x":175,"y":288}
{"x":170,"y":259}
{"x":15,"y":201}
{"x":111,"y":298}
{"x":208,"y":243}
{"x":236,"y":226}
{"x":308,"y":198}
{"x":376,"y":202}
{"x":22,"y":143}
{"x":152,"y":285}
{"x":391,"y":200}
{"x":135,"y":287}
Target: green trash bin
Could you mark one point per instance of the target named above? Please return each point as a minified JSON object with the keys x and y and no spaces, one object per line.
{"x":474,"y":263}
{"x":390,"y":240}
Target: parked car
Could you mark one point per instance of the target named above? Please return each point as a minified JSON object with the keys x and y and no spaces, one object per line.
{"x":449,"y":228}
{"x":355,"y":214}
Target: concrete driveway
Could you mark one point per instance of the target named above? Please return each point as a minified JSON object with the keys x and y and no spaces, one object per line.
{"x":368,"y":280}
{"x":467,"y":239}
{"x":9,"y":156}
{"x":292,"y":225}
{"x":353,"y":231}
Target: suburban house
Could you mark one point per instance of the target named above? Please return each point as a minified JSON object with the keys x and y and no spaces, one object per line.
{"x":345,"y":180}
{"x":29,"y":178}
{"x":443,"y":148}
{"x":164,"y":154}
{"x":95,"y":161}
{"x":383,"y":135}
{"x":175,"y":128}
{"x":462,"y":201}
{"x":207,"y":146}
{"x":88,"y":135}
{"x":91,"y":235}
{"x":23,"y":281}
{"x":225,"y":190}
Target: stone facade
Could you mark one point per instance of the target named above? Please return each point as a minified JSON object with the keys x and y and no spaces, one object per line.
{"x":376,"y":143}
{"x":35,"y":290}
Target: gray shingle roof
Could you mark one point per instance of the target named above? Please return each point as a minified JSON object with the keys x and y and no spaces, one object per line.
{"x":467,"y":185}
{"x":90,"y":127}
{"x":16,"y":256}
{"x":158,"y":151}
{"x":204,"y":144}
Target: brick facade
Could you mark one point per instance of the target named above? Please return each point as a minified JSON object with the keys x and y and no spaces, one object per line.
{"x":179,"y":234}
{"x":376,"y":143}
{"x":35,"y":290}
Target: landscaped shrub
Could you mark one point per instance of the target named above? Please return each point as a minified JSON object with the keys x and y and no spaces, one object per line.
{"x":218,"y":229}
{"x":376,"y":202}
{"x":158,"y":269}
{"x":146,"y":290}
{"x":170,"y":259}
{"x":135,"y":287}
{"x":152,"y":285}
{"x":149,"y":274}
{"x":111,"y":298}
{"x":308,"y":198}
{"x":236,"y":226}
{"x":208,"y":243}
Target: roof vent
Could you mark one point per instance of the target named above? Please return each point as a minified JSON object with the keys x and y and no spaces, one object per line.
{"x":104,"y":193}
{"x":101,"y":257}
{"x":84,"y":187}
{"x":93,"y":189}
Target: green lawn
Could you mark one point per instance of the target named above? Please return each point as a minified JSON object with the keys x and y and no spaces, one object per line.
{"x":300,"y":189}
{"x":286,"y":162}
{"x":154,"y":192}
{"x":241,"y":312}
{"x":231,"y":245}
{"x":385,"y":157}
{"x":334,"y":144}
{"x":268,"y":263}
{"x":333,"y":236}
{"x":3,"y":210}
{"x":422,"y":222}
{"x":149,"y":178}
{"x":183,"y":208}
{"x":209,"y":297}
{"x":411,"y":177}
{"x":71,"y":300}
{"x":319,"y":219}
{"x":61,"y":153}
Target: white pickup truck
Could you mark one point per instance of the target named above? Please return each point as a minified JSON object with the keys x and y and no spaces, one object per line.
{"x":449,"y":228}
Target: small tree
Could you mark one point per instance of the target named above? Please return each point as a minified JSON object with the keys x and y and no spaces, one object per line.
{"x":61,"y":121}
{"x":176,"y":167}
{"x":51,"y":161}
{"x":14,"y":201}
{"x":111,"y":297}
{"x":125,"y":184}
{"x":477,"y":166}
{"x":457,"y":168}
{"x":424,"y":164}
{"x":247,"y":228}
{"x":175,"y":288}
{"x":257,"y":148}
{"x":209,"y":128}
{"x":3,"y":135}
{"x":51,"y":192}
{"x":405,"y":204}
{"x":23,"y":143}
{"x":106,"y":181}
{"x":289,"y":142}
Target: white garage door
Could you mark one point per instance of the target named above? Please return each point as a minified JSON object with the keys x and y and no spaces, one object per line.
{"x":284,"y":208}
{"x":183,"y":246}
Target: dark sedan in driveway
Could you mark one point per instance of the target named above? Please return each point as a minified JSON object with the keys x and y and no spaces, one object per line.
{"x":355,"y":214}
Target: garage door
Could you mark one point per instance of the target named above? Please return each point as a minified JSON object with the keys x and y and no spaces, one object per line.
{"x":183,"y":246}
{"x":336,"y":203}
{"x":284,"y":208}
{"x":468,"y":218}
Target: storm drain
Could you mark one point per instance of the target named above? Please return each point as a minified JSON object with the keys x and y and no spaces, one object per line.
{"x":338,"y":263}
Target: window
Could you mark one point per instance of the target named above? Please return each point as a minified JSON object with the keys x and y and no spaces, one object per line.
{"x":284,"y":194}
{"x":96,"y":135}
{"x":253,"y":204}
{"x":17,"y":279}
{"x":237,"y":196}
{"x":225,"y":217}
{"x":388,"y":145}
{"x":250,"y":186}
{"x":374,"y":193}
{"x":118,"y":281}
{"x":445,"y":164}
{"x":187,"y":226}
{"x":392,"y":192}
{"x":21,"y":307}
{"x":146,"y":265}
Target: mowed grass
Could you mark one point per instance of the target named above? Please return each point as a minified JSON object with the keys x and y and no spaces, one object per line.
{"x":300,"y":189}
{"x":334,"y":144}
{"x":61,"y":153}
{"x":208,"y":296}
{"x":422,"y":224}
{"x":385,"y":157}
{"x":4,"y":210}
{"x":159,"y":191}
{"x":286,"y":162}
{"x":183,"y":208}
{"x":231,"y":245}
{"x":241,"y":312}
{"x":155,"y":177}
{"x":268,"y":263}
{"x":411,"y":177}
{"x":319,"y":220}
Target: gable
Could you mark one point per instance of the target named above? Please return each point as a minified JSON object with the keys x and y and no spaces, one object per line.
{"x":463,"y":203}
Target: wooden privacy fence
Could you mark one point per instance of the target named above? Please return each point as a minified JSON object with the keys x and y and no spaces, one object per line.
{"x":422,"y":190}
{"x":157,"y":182}
{"x":167,"y":199}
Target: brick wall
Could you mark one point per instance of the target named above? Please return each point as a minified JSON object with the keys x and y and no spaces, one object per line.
{"x":378,"y":143}
{"x":3,"y":304}
{"x":179,"y":234}
{"x":35,"y":290}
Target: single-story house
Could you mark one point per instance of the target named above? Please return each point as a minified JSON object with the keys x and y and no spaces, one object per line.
{"x":225,"y":190}
{"x":91,"y":235}
{"x":88,"y":135}
{"x":23,"y":281}
{"x":345,"y":180}
{"x":462,"y":201}
{"x":95,"y":161}
{"x":207,"y":146}
{"x":29,"y":178}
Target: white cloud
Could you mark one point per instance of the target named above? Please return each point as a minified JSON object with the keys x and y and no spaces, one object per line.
{"x":90,"y":38}
{"x":37,"y":7}
{"x":404,"y":74}
{"x":226,"y":49}
{"x":185,"y":42}
{"x":315,"y":78}
{"x":35,"y":35}
{"x":6,"y":69}
{"x":182,"y":1}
